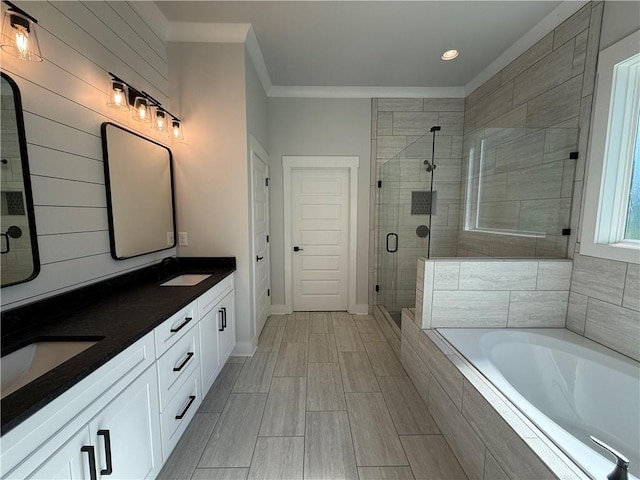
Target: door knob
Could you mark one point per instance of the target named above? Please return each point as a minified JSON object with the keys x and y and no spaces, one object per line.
{"x":259,"y":258}
{"x":298,"y":249}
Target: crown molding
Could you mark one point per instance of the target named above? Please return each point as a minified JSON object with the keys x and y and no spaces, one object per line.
{"x":255,"y":54}
{"x":280,"y":91}
{"x":208,"y":32}
{"x":539,"y":30}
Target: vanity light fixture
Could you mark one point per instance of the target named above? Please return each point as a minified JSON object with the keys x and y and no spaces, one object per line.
{"x":19,"y":36}
{"x":145,"y":108}
{"x":450,"y":55}
{"x":159,"y":120}
{"x":118,"y":95}
{"x":142,"y":110}
{"x":176,"y":130}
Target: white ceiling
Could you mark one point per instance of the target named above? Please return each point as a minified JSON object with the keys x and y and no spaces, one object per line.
{"x":372,"y":43}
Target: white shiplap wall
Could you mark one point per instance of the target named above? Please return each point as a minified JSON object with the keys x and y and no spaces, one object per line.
{"x":64,"y":103}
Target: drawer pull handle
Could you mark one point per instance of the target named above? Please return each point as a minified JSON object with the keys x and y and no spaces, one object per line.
{"x":92,"y":461}
{"x":224,"y":317}
{"x":184,"y":362}
{"x":222,"y":322}
{"x":181,"y":326}
{"x":184,"y":412}
{"x":107,"y":450}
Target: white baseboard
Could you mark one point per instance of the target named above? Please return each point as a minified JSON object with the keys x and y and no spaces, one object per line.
{"x":279,"y":310}
{"x":244,"y":349}
{"x":360,"y":309}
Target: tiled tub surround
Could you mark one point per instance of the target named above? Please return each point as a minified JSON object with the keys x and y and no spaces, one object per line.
{"x":604,"y":303}
{"x":477,"y":292}
{"x":491,"y":440}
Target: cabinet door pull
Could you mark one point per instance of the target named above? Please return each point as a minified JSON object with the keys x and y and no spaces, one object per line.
{"x":184,"y":362}
{"x":258,"y":258}
{"x":221,"y":320}
{"x":224,"y":317}
{"x":107,"y":451}
{"x":93,"y":475}
{"x":184,"y":412}
{"x":181,"y":326}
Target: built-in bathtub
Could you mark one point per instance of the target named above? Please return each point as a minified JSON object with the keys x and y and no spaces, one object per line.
{"x":567,"y":385}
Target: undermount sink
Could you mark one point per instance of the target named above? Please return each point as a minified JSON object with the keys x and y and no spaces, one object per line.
{"x":186,"y":280}
{"x":30,"y":362}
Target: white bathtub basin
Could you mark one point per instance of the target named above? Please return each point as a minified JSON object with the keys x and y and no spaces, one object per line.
{"x":186,"y":280}
{"x":30,"y":362}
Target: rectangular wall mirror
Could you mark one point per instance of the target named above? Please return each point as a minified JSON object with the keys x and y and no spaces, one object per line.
{"x":140,"y":197}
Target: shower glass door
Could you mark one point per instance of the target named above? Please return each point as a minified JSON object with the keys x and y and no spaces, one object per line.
{"x":388,"y":241}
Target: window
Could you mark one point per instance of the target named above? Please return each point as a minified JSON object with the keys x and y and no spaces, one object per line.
{"x":611,"y":217}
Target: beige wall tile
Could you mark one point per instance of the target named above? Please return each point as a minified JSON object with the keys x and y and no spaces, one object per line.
{"x":613,"y":326}
{"x":538,"y":309}
{"x":528,"y":58}
{"x":552,"y":70}
{"x":556,"y":105}
{"x":385,"y":123}
{"x":443,"y":105}
{"x":572,"y":26}
{"x":446,"y":275}
{"x":486,"y":88}
{"x":554,"y":275}
{"x":442,"y":369}
{"x":599,"y":278}
{"x":492,"y":470}
{"x":463,"y":440}
{"x":521,"y":152}
{"x":593,"y":44}
{"x":389,"y":146}
{"x":413,"y":123}
{"x":399,"y":105}
{"x":577,"y":312}
{"x":544,"y":181}
{"x":431,"y":458}
{"x":498,"y":275}
{"x":416,"y":369}
{"x":580,"y":53}
{"x":631,"y":297}
{"x":471,"y":309}
{"x":495,"y":104}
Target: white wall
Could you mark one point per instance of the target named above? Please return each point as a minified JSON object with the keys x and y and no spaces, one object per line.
{"x":64,"y":103}
{"x":207,"y":83}
{"x":256,"y":104}
{"x":303,"y":126}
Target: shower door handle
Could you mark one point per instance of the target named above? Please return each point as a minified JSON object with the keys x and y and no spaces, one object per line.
{"x":395,"y":249}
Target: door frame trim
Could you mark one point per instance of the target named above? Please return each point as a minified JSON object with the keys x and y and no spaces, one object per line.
{"x":297,"y":162}
{"x":261,"y":153}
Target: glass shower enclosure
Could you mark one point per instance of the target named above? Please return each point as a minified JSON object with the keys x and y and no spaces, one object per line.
{"x":509,"y":195}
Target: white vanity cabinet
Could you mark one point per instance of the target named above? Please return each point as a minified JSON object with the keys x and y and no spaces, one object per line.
{"x":108,"y":421}
{"x":124,"y":419}
{"x":217,"y":329}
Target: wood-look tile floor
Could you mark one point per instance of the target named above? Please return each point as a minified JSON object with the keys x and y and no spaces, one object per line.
{"x":323,"y":397}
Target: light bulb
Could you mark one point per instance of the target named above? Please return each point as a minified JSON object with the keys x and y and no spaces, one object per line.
{"x":22,"y":42}
{"x":118,"y":97}
{"x":142,"y":112}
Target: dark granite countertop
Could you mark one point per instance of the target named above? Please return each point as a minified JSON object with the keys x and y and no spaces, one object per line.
{"x":117,"y":312}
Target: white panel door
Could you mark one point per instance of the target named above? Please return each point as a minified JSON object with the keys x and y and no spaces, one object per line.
{"x":320,"y":235}
{"x":260,"y":246}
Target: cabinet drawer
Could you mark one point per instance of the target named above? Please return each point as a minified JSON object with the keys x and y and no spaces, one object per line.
{"x":179,"y":412}
{"x":211,"y":297}
{"x":177,"y":363}
{"x":174,"y":328}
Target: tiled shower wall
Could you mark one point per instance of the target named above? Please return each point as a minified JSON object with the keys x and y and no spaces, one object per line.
{"x":550,"y":85}
{"x":396,"y":125}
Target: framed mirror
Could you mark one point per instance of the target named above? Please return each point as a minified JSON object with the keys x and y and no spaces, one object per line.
{"x":19,"y":257}
{"x":140,"y":196}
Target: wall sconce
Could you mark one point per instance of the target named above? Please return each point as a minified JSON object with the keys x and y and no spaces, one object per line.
{"x":176,"y":130}
{"x":145,"y":108}
{"x":118,"y":95}
{"x":19,"y":36}
{"x":159,"y":120}
{"x":141,"y":110}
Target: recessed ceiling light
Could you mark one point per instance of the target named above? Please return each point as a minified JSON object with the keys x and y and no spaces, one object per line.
{"x":449,"y":55}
